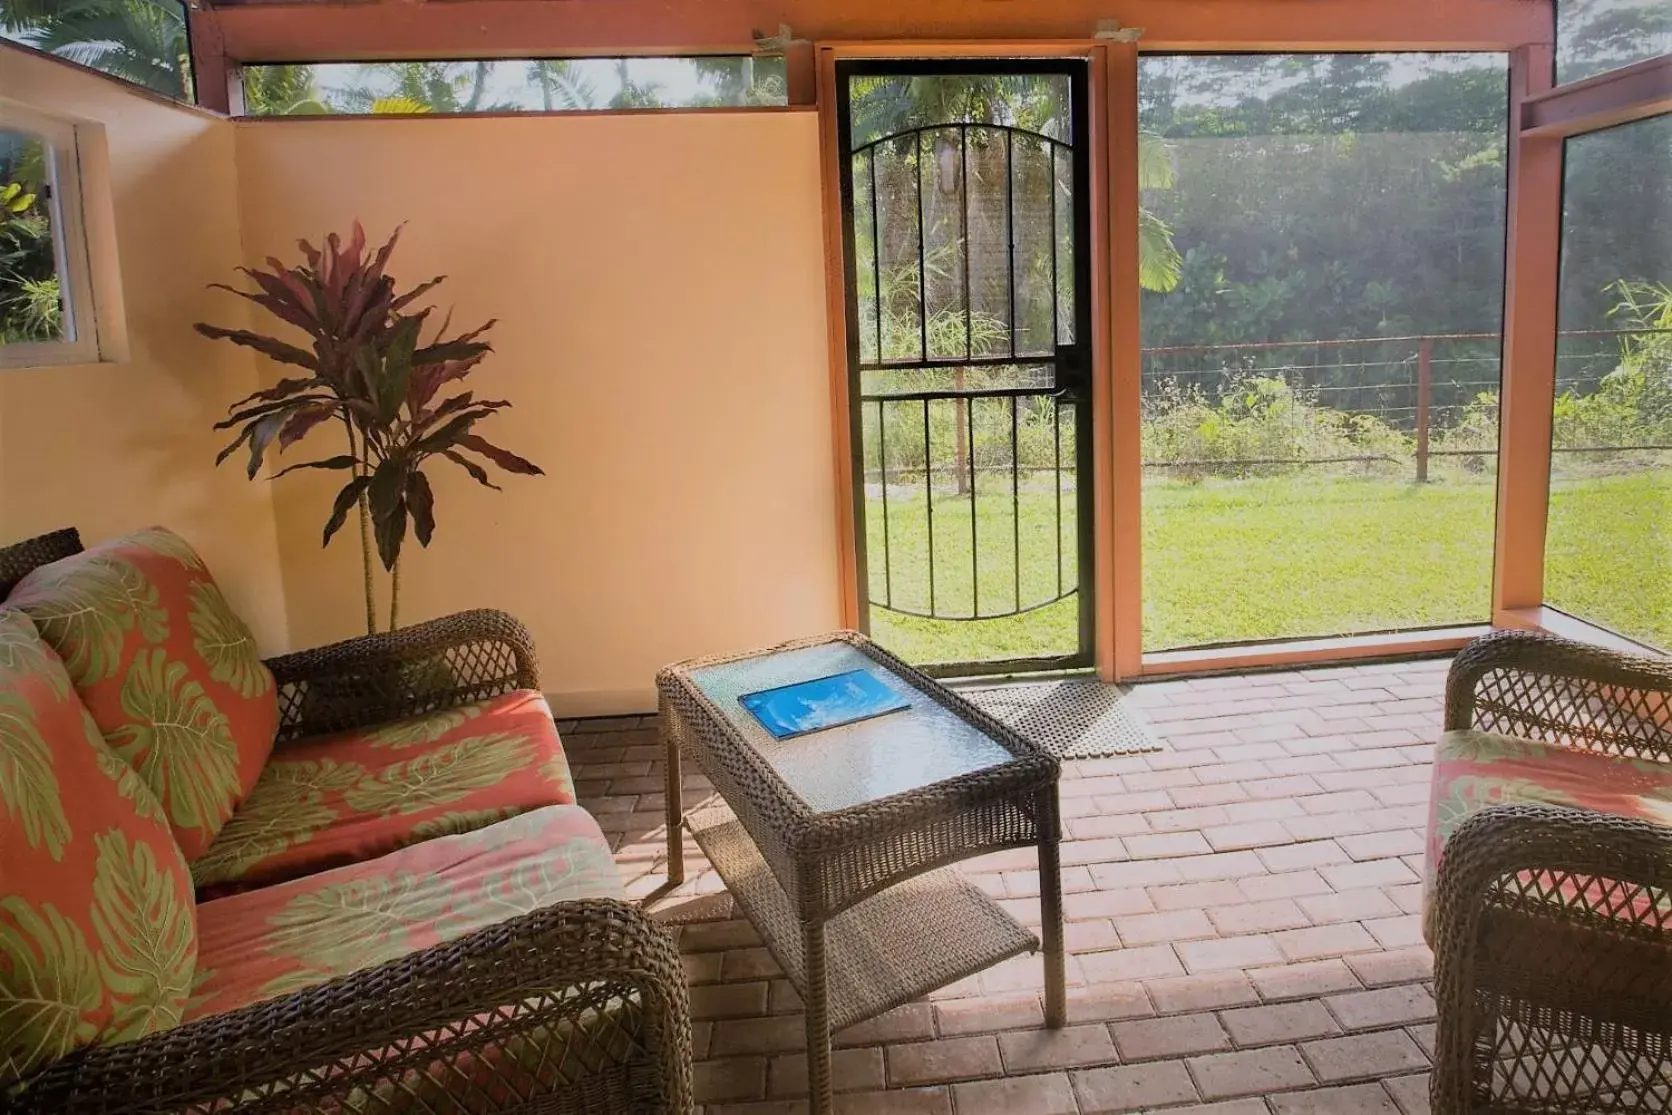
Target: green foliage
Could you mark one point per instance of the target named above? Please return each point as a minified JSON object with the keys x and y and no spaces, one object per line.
{"x":1260,"y":426}
{"x":142,"y":41}
{"x":31,"y":301}
{"x":370,"y":369}
{"x":282,"y":91}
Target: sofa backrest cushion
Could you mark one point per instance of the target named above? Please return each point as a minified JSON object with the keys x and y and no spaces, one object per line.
{"x":171,"y":675}
{"x":98,"y":931}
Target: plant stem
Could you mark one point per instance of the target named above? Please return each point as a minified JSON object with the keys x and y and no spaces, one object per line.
{"x":365,"y":531}
{"x":394,"y":592}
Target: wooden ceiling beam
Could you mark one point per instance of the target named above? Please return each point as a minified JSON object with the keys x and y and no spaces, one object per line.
{"x":335,"y":31}
{"x":1604,"y":101}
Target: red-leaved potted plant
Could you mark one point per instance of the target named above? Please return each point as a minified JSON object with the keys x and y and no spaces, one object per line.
{"x":369,"y":371}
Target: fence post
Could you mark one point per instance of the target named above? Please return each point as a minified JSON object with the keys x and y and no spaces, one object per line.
{"x":1425,"y":389}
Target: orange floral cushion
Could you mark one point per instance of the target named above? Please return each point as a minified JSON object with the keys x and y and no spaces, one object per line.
{"x":349,"y":797}
{"x":97,"y":931}
{"x":263,"y":943}
{"x":1476,"y":770}
{"x":170,"y":673}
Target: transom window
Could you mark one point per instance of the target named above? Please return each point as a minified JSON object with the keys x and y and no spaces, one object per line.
{"x":515,"y":85}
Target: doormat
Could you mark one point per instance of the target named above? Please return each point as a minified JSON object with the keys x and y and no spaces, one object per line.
{"x":1075,"y":718}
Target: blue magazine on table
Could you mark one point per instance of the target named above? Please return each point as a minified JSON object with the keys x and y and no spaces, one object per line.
{"x":807,"y":706}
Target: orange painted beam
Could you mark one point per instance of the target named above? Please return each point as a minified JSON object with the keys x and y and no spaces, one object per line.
{"x":1102,"y":425}
{"x":1532,"y":270}
{"x":212,"y":71}
{"x":836,"y":316}
{"x":1120,"y":478}
{"x":1605,"y":101}
{"x":295,"y":32}
{"x":1295,"y":653}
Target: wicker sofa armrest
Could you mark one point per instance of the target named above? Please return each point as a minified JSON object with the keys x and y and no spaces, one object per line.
{"x":1559,"y":691}
{"x":428,"y":667}
{"x":1558,"y":915}
{"x":591,"y":992}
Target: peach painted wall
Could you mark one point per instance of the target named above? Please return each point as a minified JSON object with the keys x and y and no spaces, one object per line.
{"x":659,"y":283}
{"x":111,"y":447}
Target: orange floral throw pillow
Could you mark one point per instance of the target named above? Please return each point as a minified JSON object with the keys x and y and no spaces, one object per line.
{"x":170,"y":673}
{"x":98,"y":932}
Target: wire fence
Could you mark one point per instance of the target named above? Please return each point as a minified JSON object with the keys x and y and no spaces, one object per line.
{"x":1398,"y":405}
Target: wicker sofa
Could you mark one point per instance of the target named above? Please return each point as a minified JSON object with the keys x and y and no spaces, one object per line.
{"x":1551,"y":920}
{"x":538,"y":990}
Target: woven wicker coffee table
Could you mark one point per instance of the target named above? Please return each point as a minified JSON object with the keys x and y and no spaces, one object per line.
{"x":837,"y":844}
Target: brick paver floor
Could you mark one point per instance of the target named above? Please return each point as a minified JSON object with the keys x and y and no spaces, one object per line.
{"x":1243,"y":922}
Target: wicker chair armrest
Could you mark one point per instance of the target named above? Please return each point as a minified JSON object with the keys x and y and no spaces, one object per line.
{"x":1559,"y":691}
{"x":430,"y":666}
{"x":357,"y":1042}
{"x":1574,"y":902}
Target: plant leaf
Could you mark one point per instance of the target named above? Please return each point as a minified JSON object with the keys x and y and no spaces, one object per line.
{"x":420,"y":500}
{"x":340,"y":461}
{"x":443,"y":351}
{"x":504,"y":458}
{"x":267,"y":346}
{"x":415,"y":293}
{"x":477,"y":472}
{"x":301,"y":420}
{"x":269,"y":408}
{"x":346,"y":499}
{"x":262,"y":433}
{"x":397,"y":368}
{"x":283,"y":389}
{"x":387,"y":494}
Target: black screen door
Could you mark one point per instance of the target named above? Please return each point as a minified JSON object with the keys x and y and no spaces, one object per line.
{"x":966,"y":227}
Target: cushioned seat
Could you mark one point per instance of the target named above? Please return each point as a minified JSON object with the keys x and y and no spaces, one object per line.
{"x":1474,"y":770}
{"x":263,"y":943}
{"x":340,"y":799}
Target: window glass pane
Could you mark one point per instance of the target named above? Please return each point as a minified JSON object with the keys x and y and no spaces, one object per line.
{"x":32,"y":308}
{"x":1597,"y":35}
{"x":1322,"y":249}
{"x":1608,"y":548}
{"x":565,"y":84}
{"x":142,"y":41}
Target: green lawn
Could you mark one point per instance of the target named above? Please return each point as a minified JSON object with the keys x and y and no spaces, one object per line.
{"x":1277,"y":558}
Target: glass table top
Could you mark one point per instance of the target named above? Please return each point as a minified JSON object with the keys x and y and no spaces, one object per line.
{"x":850,"y":764}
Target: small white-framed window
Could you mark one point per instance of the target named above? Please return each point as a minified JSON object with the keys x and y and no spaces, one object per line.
{"x":47,"y":314}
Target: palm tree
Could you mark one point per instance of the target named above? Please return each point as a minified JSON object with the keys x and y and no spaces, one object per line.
{"x":419,"y":87}
{"x":883,"y":106}
{"x":282,"y":91}
{"x":563,"y":84}
{"x":142,"y":41}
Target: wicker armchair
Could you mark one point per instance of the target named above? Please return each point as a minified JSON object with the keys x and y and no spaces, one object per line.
{"x":580,"y":1006}
{"x":1553,"y":925}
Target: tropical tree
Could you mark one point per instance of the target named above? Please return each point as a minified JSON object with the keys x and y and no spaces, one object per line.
{"x":282,"y":91}
{"x":886,"y":105}
{"x":142,"y":41}
{"x":420,"y":87}
{"x":563,"y":84}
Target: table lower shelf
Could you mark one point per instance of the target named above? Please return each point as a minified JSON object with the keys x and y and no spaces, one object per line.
{"x":918,"y":935}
